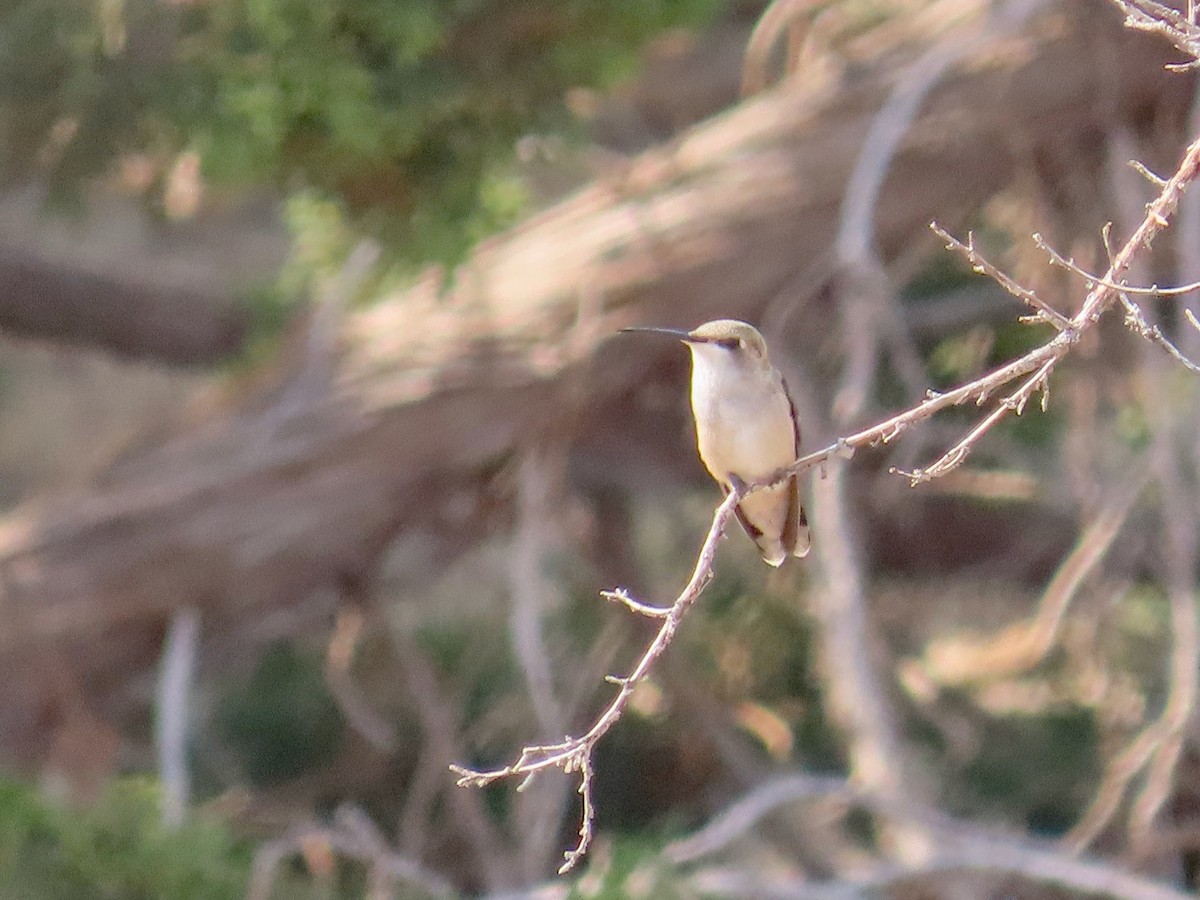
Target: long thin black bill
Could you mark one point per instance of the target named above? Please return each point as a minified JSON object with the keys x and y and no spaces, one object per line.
{"x":673,"y":332}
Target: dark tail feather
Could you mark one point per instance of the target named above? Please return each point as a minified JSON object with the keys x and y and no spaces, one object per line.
{"x":795,"y":529}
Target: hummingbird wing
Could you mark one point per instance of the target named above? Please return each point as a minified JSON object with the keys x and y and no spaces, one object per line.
{"x":792,"y":537}
{"x":795,"y":538}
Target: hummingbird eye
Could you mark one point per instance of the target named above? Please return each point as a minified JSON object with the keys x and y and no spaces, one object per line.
{"x":729,"y":343}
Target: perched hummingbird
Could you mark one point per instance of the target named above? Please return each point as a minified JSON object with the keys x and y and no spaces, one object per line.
{"x":746,"y":430}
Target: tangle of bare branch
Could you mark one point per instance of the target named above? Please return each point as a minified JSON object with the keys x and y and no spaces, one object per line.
{"x":959,"y":846}
{"x":574,"y":754}
{"x":1030,"y":372}
{"x":351,"y":835}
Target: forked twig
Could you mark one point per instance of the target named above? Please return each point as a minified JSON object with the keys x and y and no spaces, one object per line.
{"x":1134,"y":317}
{"x":574,"y":754}
{"x":1044,"y":311}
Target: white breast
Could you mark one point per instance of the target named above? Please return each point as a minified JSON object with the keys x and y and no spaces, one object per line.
{"x":743,"y":419}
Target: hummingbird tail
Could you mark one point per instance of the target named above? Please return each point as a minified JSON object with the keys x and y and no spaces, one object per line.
{"x":777,"y":544}
{"x":802,"y":541}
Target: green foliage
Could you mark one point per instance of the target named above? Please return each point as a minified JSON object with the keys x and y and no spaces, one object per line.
{"x":404,"y":112}
{"x":118,"y":850}
{"x":282,"y":721}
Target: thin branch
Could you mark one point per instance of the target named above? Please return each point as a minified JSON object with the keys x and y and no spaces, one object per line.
{"x":1134,"y":317}
{"x":1140,"y":167}
{"x":1071,"y":266}
{"x":620,"y":595}
{"x":354,"y":836}
{"x":174,"y":701}
{"x":957,"y":455}
{"x":959,"y":846}
{"x":1099,"y":299}
{"x":574,"y":754}
{"x":1157,"y":18}
{"x":1044,"y":311}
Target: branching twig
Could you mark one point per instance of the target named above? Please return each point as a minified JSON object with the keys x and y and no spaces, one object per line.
{"x":574,"y":754}
{"x":1158,"y":18}
{"x":620,"y":595}
{"x":1044,"y":311}
{"x":1042,"y":359}
{"x":1134,"y":317}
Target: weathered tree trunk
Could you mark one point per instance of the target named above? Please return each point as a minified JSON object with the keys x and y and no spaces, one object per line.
{"x":432,"y":390}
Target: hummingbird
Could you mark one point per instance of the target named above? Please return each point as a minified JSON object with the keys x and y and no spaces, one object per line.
{"x":746,"y":430}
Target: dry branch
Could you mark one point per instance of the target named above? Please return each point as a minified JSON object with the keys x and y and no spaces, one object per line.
{"x":575,"y":754}
{"x":958,"y":846}
{"x":353,"y":836}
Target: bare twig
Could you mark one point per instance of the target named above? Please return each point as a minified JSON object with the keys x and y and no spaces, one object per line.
{"x":1145,"y":172}
{"x":620,"y":595}
{"x":1099,"y":299}
{"x":1158,"y":18}
{"x":1044,"y":311}
{"x":1135,"y":318}
{"x":574,"y":754}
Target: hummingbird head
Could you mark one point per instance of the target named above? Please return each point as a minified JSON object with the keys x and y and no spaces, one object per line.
{"x":737,"y":339}
{"x":740,"y":339}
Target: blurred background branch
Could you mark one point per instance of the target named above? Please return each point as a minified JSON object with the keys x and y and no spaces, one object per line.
{"x":390,"y":480}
